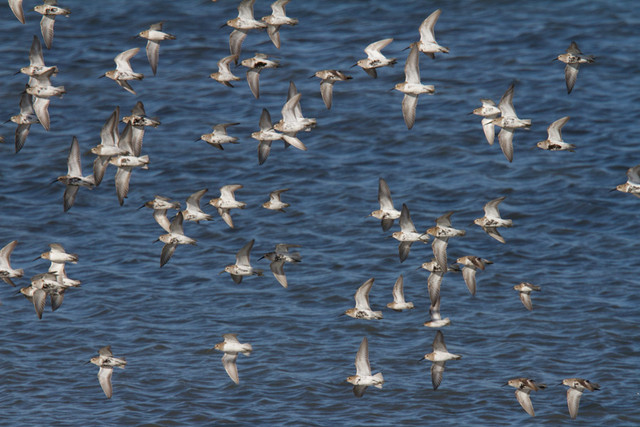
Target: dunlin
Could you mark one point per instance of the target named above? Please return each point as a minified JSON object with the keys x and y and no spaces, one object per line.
{"x":59,"y":270}
{"x":242,"y":267}
{"x":36,"y":61}
{"x":224,"y":74}
{"x":441,"y":233}
{"x":525,"y":289}
{"x":399,"y":302}
{"x":173,"y":238}
{"x":292,"y":120}
{"x":278,"y":18}
{"x":508,"y":121}
{"x":524,"y":386}
{"x":574,"y":393}
{"x":427,"y":43}
{"x":278,"y":258}
{"x":42,"y":90}
{"x":108,"y":147}
{"x":242,"y":24}
{"x":489,"y":112}
{"x":329,"y":77}
{"x":107,"y":362}
{"x":49,"y":10}
{"x":231,"y":347}
{"x":407,"y":234}
{"x":127,"y":162}
{"x":25,"y":119}
{"x":375,"y":59}
{"x":139,"y":120}
{"x":255,"y":65}
{"x":633,"y":182}
{"x":219,"y":136}
{"x":573,"y":58}
{"x":436,"y":319}
{"x":74,"y":179}
{"x":57,"y":254}
{"x":275,"y":203}
{"x":387,"y":213}
{"x":411,"y":87}
{"x":123,"y":71}
{"x":16,"y":8}
{"x":6,"y":271}
{"x":154,"y":36}
{"x":160,"y":206}
{"x":363,"y":378}
{"x":266,"y":135}
{"x":193,"y":211}
{"x":554,"y":140}
{"x":492,"y":219}
{"x":439,"y":357}
{"x":470,"y":264}
{"x":227,"y":201}
{"x":362,"y":309}
{"x":36,"y":295}
{"x":435,"y":278}
{"x":306,"y":123}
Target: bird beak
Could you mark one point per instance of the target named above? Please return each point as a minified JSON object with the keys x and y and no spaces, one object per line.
{"x":312,"y":76}
{"x":419,"y":268}
{"x":53,"y":182}
{"x":260,"y":257}
{"x":36,"y":258}
{"x":141,"y":207}
{"x":221,"y":272}
{"x":224,"y":25}
{"x":196,"y":140}
{"x":354,"y":65}
{"x":613,"y":189}
{"x":104,"y":75}
{"x":420,"y":360}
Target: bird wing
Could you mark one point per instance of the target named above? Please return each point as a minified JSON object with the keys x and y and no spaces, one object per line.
{"x":363,"y":369}
{"x":229,"y":363}
{"x":362,"y":295}
{"x":242,"y":258}
{"x":104,"y":377}
{"x":426,"y":28}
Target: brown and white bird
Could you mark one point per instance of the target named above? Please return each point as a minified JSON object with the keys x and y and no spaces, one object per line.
{"x":573,"y":58}
{"x":524,"y":290}
{"x":107,"y":362}
{"x":523,"y":387}
{"x":574,"y":393}
{"x":154,"y":36}
{"x":471,"y":264}
{"x":231,"y":347}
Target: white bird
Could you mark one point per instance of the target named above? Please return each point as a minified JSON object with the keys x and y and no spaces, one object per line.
{"x":576,"y":387}
{"x":278,"y":18}
{"x":375,"y":58}
{"x":49,"y":11}
{"x":523,"y":387}
{"x":123,"y":71}
{"x":573,"y":58}
{"x":107,"y":362}
{"x":524,"y":289}
{"x":362,"y":309}
{"x":231,"y":347}
{"x":363,"y":378}
{"x":275,"y":203}
{"x":278,"y":258}
{"x":74,"y":179}
{"x":508,"y":121}
{"x":411,"y":87}
{"x":108,"y":147}
{"x":399,"y":302}
{"x":224,"y":74}
{"x":441,"y":233}
{"x":439,"y":357}
{"x":227,"y":201}
{"x":173,"y":238}
{"x":255,"y":65}
{"x":470,"y":264}
{"x":554,"y":140}
{"x":24,"y":120}
{"x":492,"y":219}
{"x":427,"y":43}
{"x":127,"y":162}
{"x":6,"y":271}
{"x":489,"y":112}
{"x":242,"y":267}
{"x":329,"y":77}
{"x":407,"y":234}
{"x":154,"y":36}
{"x":219,"y":136}
{"x":387,"y":213}
{"x":242,"y":24}
{"x":193,"y":211}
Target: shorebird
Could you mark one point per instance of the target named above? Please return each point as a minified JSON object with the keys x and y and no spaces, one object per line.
{"x":36,"y":61}
{"x":329,"y":77}
{"x":411,"y":87}
{"x":435,"y":279}
{"x":399,"y":302}
{"x":574,"y":393}
{"x":275,"y":203}
{"x":375,"y":59}
{"x":242,"y":267}
{"x":49,"y":10}
{"x":489,"y":112}
{"x":193,"y":211}
{"x":231,"y":347}
{"x":61,"y":275}
{"x":436,"y":319}
{"x":16,"y":8}
{"x":219,"y":136}
{"x":24,"y":120}
{"x":42,"y":90}
{"x":278,"y":258}
{"x":154,"y":36}
{"x":224,"y":74}
{"x":427,"y":43}
{"x":508,"y":121}
{"x":470,"y":264}
{"x":74,"y":179}
{"x":242,"y":24}
{"x":633,"y":182}
{"x":255,"y":65}
{"x":362,"y":309}
{"x":266,"y":135}
{"x":573,"y":58}
{"x":108,"y":147}
{"x":554,"y":140}
{"x":227,"y":201}
{"x":139,"y":120}
{"x":173,"y":238}
{"x":492,"y":219}
{"x":6,"y":271}
{"x":123,"y":71}
{"x":387,"y":213}
{"x":407,"y":234}
{"x":58,"y":255}
{"x":439,"y":357}
{"x":107,"y":362}
{"x":363,"y":378}
{"x":525,"y":289}
{"x":441,"y":233}
{"x":523,"y":387}
{"x":160,"y":206}
{"x":278,"y":18}
{"x":127,"y":162}
{"x":292,"y":120}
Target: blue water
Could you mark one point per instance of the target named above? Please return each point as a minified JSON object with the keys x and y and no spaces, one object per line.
{"x":571,"y":235}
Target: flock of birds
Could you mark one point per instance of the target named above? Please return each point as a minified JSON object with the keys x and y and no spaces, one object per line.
{"x":123,"y":149}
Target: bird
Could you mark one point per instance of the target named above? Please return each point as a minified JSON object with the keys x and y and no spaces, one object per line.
{"x":632,"y":185}
{"x":435,"y":280}
{"x":127,"y":162}
{"x":412,"y":87}
{"x":492,"y":219}
{"x":24,"y":120}
{"x":375,"y":59}
{"x":363,"y":378}
{"x":242,"y":267}
{"x":36,"y":292}
{"x":173,"y":238}
{"x":291,"y":122}
{"x":107,"y":362}
{"x":108,"y":147}
{"x":387,"y":213}
{"x":489,"y":112}
{"x":399,"y":302}
{"x":36,"y":61}
{"x":227,"y":201}
{"x":255,"y":65}
{"x":508,"y":121}
{"x":6,"y":271}
{"x":266,"y":135}
{"x":574,"y":393}
{"x":231,"y":347}
{"x":242,"y":24}
{"x":407,"y":234}
{"x":329,"y":77}
{"x":436,"y":319}
{"x":278,"y":258}
{"x":154,"y":36}
{"x":49,"y":10}
{"x":219,"y":136}
{"x":441,"y":234}
{"x":275,"y":203}
{"x":277,"y":18}
{"x":58,"y":255}
{"x":160,"y":206}
{"x":42,"y":90}
{"x":427,"y":43}
{"x":224,"y":74}
{"x":123,"y":71}
{"x":554,"y":140}
{"x":139,"y":120}
{"x":525,"y":289}
{"x":573,"y":58}
{"x":74,"y":179}
{"x":523,"y":387}
{"x":439,"y":357}
{"x":58,"y":270}
{"x":362,"y":309}
{"x":16,"y":8}
{"x":193,"y":211}
{"x":470,"y":264}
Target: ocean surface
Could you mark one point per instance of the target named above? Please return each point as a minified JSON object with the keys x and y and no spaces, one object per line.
{"x":572,"y":236}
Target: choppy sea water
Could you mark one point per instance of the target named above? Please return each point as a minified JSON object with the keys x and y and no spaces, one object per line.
{"x":571,"y":235}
